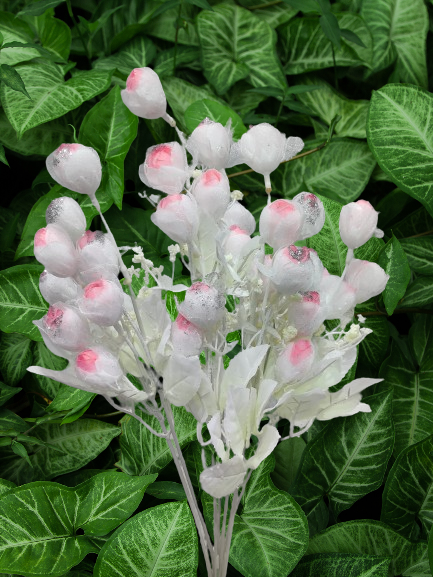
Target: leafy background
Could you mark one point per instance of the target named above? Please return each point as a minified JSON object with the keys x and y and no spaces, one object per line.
{"x":84,"y":491}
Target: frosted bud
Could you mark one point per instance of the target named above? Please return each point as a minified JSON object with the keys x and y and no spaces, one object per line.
{"x":102,"y":302}
{"x":358,"y":223}
{"x":56,"y":289}
{"x":306,"y":313}
{"x":212,"y":192}
{"x":280,"y":223}
{"x":314,"y":214}
{"x":238,"y":215}
{"x":65,"y":327}
{"x":66,"y":213}
{"x":295,"y":360}
{"x":264,"y":147}
{"x":54,"y":249}
{"x":203,"y":306}
{"x":210,"y":144}
{"x":235,"y":241}
{"x":144,"y":95}
{"x":76,"y":167}
{"x":340,"y":297}
{"x":293,"y":270}
{"x":186,"y":338}
{"x":97,"y":366}
{"x":165,"y":168}
{"x":177,"y":216}
{"x":97,"y":256}
{"x":367,"y":278}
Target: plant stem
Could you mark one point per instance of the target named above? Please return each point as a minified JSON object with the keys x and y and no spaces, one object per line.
{"x":176,"y":37}
{"x":71,"y":14}
{"x":280,"y":110}
{"x":335,"y":67}
{"x":420,"y":234}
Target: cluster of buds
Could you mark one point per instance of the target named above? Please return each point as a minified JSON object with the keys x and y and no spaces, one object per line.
{"x":268,"y":288}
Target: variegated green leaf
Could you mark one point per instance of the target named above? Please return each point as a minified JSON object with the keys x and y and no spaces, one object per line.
{"x":16,"y":354}
{"x":419,"y":252}
{"x":339,"y":564}
{"x":137,"y":53}
{"x":42,"y":357}
{"x":16,"y":30}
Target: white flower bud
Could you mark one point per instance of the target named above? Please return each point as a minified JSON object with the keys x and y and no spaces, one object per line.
{"x":97,"y":366}
{"x":306,"y":314}
{"x":144,"y":95}
{"x":280,"y":223}
{"x":295,"y":361}
{"x":212,"y":192}
{"x":65,"y":327}
{"x":76,"y":167}
{"x":238,"y":215}
{"x":66,"y":213}
{"x":177,"y":216}
{"x":165,"y":168}
{"x":54,"y":249}
{"x":367,"y":278}
{"x":358,"y":223}
{"x":235,"y":241}
{"x":210,"y":144}
{"x":55,"y":289}
{"x":186,"y":338}
{"x":338,"y":296}
{"x":203,"y":306}
{"x":314,"y":214}
{"x":293,"y":270}
{"x":102,"y":302}
{"x":97,"y":257}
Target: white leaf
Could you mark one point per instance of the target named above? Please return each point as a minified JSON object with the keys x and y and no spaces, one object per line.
{"x":268,"y":440}
{"x":181,"y":379}
{"x":224,"y":478}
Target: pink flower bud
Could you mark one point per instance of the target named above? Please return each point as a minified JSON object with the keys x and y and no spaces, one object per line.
{"x":314,"y":214}
{"x":186,"y":338}
{"x":203,"y":306}
{"x":367,"y":278}
{"x":238,"y":215}
{"x":293,"y":270}
{"x":54,"y":249}
{"x":66,"y":213}
{"x":55,"y":289}
{"x":295,"y":361}
{"x":306,"y":314}
{"x":358,"y":223}
{"x":97,"y":257}
{"x":102,"y":302}
{"x":212,"y":192}
{"x":144,"y":95}
{"x":165,"y":168}
{"x":65,"y":327}
{"x":97,"y":366}
{"x":210,"y":144}
{"x":280,"y":223}
{"x":235,"y":241}
{"x":76,"y":167}
{"x":177,"y":216}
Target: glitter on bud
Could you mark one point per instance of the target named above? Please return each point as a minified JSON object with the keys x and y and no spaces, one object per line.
{"x":65,"y":327}
{"x":203,"y":306}
{"x":76,"y":167}
{"x":165,"y":168}
{"x":314,"y":214}
{"x":293,"y":270}
{"x":97,"y":257}
{"x":66,"y":213}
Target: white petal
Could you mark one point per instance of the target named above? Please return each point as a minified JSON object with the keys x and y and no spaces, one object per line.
{"x":268,"y":439}
{"x":224,"y":478}
{"x":181,"y":379}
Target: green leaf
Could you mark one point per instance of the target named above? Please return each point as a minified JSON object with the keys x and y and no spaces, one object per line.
{"x":245,"y":46}
{"x":56,"y":37}
{"x":303,"y":5}
{"x":38,"y":8}
{"x":306,"y":48}
{"x":356,"y":468}
{"x":15,"y":356}
{"x":408,"y":494}
{"x":373,"y":349}
{"x":7,"y":393}
{"x":331,"y":29}
{"x":69,"y":398}
{"x":215,"y":111}
{"x":352,"y":37}
{"x":374,"y":538}
{"x":6,"y":486}
{"x":21,"y":451}
{"x":159,"y":541}
{"x":419,"y":293}
{"x":394,"y":262}
{"x":15,"y":30}
{"x":399,"y":29}
{"x":274,"y":14}
{"x":36,"y":218}
{"x":52,"y":97}
{"x":167,"y":490}
{"x":165,"y":25}
{"x":108,"y":499}
{"x":110,"y":128}
{"x":327,"y":103}
{"x":339,"y":564}
{"x":400,"y":135}
{"x":412,"y":387}
{"x":68,"y":448}
{"x":288,"y":455}
{"x":12,"y":423}
{"x":3,"y":156}
{"x":270,"y":534}
{"x":143,"y":453}
{"x":419,"y":252}
{"x":416,"y":222}
{"x":188,"y":56}
{"x":20,"y":300}
{"x":136,"y":53}
{"x":42,"y":357}
{"x":391,"y":206}
{"x":10,"y":77}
